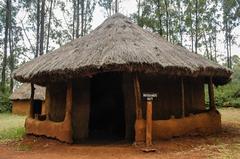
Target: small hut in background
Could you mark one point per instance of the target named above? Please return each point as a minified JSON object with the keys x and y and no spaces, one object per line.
{"x":94,"y":86}
{"x":21,"y":99}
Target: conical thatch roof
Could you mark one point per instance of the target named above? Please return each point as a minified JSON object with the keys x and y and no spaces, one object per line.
{"x":24,"y":92}
{"x":118,"y":45}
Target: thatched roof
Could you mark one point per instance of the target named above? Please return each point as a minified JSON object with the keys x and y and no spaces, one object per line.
{"x":118,"y":45}
{"x":24,"y":92}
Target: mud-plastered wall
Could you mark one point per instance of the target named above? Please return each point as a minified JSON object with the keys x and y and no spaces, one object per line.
{"x":20,"y":107}
{"x":168,"y":103}
{"x":57,"y":101}
{"x":199,"y":124}
{"x":81,"y":108}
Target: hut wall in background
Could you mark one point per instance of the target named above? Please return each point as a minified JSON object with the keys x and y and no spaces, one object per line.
{"x":57,"y":101}
{"x":20,"y":107}
{"x":81,"y":108}
{"x":129,"y":103}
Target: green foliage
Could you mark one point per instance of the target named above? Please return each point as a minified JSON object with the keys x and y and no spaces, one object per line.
{"x":5,"y":103}
{"x":228,"y":95}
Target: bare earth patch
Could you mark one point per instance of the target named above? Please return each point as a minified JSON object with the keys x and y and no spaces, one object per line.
{"x":223,"y":145}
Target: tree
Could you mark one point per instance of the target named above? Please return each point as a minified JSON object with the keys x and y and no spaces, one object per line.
{"x":42,"y":28}
{"x":230,"y":21}
{"x":196,"y":26}
{"x":6,"y":36}
{"x":166,"y":3}
{"x":110,"y":6}
{"x":49,"y":24}
{"x":38,"y":29}
{"x":81,"y":22}
{"x":107,"y":6}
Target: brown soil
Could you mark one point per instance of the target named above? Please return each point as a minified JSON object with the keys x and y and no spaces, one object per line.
{"x":223,"y":145}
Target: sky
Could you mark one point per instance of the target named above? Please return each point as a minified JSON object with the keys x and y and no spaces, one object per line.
{"x":128,"y":7}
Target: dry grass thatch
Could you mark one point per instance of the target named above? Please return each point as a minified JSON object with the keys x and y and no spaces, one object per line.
{"x":118,"y":45}
{"x":24,"y":92}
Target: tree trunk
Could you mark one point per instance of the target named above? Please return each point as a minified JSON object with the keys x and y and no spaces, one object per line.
{"x":82,"y":17}
{"x":180,"y":22}
{"x":230,"y":49}
{"x":159,"y":18}
{"x":167,"y":18}
{"x":74,"y":18}
{"x":78,"y":20}
{"x":49,"y":24}
{"x":38,"y":28}
{"x":4,"y":63}
{"x":227,"y":43}
{"x":191,"y":30}
{"x":11,"y":60}
{"x":215,"y":45}
{"x":210,"y":49}
{"x":42,"y":28}
{"x":116,"y":6}
{"x":196,"y":25}
{"x":206,"y":45}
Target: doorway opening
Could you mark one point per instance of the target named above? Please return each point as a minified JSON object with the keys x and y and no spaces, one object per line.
{"x":37,"y":107}
{"x":107,"y":118}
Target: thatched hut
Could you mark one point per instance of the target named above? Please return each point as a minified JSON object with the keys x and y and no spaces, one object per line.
{"x":94,"y":86}
{"x":21,"y":99}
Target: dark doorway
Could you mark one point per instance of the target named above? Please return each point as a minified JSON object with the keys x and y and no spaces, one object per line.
{"x":37,"y":106}
{"x":107,"y":109}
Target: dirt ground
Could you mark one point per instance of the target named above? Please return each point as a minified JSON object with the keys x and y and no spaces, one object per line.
{"x":223,"y":145}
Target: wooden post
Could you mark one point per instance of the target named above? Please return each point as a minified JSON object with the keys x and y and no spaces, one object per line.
{"x":31,"y":109}
{"x":211,"y":95}
{"x":137,"y":94}
{"x":149,"y":124}
{"x":183,"y":96}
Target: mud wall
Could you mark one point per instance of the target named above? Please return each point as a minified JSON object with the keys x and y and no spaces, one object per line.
{"x":43,"y":107}
{"x":57,"y":101}
{"x":21,"y":107}
{"x":59,"y":130}
{"x":194,"y":95}
{"x":81,"y":108}
{"x":200,"y":124}
{"x":169,"y":95}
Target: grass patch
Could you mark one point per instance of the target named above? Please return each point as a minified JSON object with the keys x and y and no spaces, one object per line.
{"x":12,"y":134}
{"x":11,"y":127}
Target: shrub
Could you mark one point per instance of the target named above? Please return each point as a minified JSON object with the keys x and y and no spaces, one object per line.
{"x":5,"y":103}
{"x":228,"y":95}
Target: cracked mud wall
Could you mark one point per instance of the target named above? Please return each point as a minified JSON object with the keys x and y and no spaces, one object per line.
{"x":199,"y":124}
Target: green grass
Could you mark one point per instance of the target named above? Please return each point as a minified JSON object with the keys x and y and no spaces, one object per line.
{"x":11,"y":127}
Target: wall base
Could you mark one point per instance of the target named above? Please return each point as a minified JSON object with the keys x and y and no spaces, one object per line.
{"x":59,"y":130}
{"x":199,"y":124}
